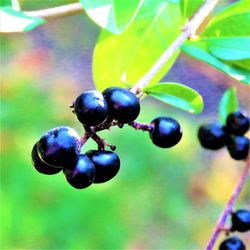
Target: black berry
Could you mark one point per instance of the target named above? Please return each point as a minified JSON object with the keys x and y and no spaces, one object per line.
{"x":91,"y":108}
{"x":166,"y":132}
{"x":241,"y":220}
{"x":237,"y":123}
{"x":123,"y":105}
{"x":41,"y":166}
{"x":82,"y":174}
{"x":238,"y":147}
{"x":212,"y":136}
{"x":60,"y":147}
{"x":107,"y":164}
{"x":232,"y":243}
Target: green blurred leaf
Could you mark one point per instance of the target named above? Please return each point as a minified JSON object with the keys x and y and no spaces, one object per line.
{"x":228,"y":104}
{"x":233,"y":48}
{"x":15,"y":21}
{"x":42,"y":4}
{"x":14,"y":4}
{"x":189,"y":7}
{"x":113,"y":15}
{"x":198,"y":51}
{"x":232,"y":21}
{"x":225,"y":42}
{"x":128,"y":56}
{"x":177,"y":95}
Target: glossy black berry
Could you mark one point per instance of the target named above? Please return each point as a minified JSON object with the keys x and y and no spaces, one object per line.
{"x":238,"y":123}
{"x":166,"y":132}
{"x":238,"y":147}
{"x":212,"y":136}
{"x":107,"y":164}
{"x":41,"y":166}
{"x":232,"y":243}
{"x":123,"y":105}
{"x":59,"y":147}
{"x":82,"y":174}
{"x":240,"y":220}
{"x":91,"y":108}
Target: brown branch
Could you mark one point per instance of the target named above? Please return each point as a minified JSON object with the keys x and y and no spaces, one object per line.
{"x":229,"y":207}
{"x":188,"y":31}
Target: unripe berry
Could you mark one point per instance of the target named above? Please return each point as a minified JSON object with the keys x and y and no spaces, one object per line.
{"x":59,"y":147}
{"x":82,"y":174}
{"x":212,"y":136}
{"x":41,"y":166}
{"x":107,"y":164}
{"x":241,"y":220}
{"x":91,"y":108}
{"x":238,"y":123}
{"x":232,"y":243}
{"x":123,"y":105}
{"x":238,"y":147}
{"x":166,"y":132}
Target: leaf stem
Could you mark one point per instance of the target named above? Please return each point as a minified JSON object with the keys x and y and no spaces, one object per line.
{"x":55,"y":12}
{"x":229,"y":207}
{"x":188,"y":31}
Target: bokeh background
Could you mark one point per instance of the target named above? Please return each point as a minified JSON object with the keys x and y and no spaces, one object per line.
{"x":160,"y":199}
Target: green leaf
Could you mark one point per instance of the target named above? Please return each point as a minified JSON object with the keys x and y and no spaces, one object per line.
{"x":232,"y":48}
{"x":189,"y":7}
{"x":177,"y":95}
{"x":128,"y":56}
{"x":14,"y":4}
{"x":232,"y":21}
{"x":198,"y":51}
{"x":228,"y":104}
{"x":15,"y":21}
{"x":113,"y":15}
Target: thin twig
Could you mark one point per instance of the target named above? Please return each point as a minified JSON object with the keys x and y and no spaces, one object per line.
{"x":55,"y":12}
{"x":188,"y":31}
{"x":229,"y":207}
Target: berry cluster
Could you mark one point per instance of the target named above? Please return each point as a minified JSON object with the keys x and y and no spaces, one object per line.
{"x":214,"y":136}
{"x":240,"y":222}
{"x":60,"y":148}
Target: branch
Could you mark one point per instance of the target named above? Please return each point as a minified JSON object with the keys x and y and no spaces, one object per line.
{"x":60,"y":11}
{"x":229,"y":207}
{"x":188,"y":31}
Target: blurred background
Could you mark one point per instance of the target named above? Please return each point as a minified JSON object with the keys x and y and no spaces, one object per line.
{"x":160,"y":199}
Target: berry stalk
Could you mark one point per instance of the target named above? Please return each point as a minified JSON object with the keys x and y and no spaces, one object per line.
{"x":229,"y":207}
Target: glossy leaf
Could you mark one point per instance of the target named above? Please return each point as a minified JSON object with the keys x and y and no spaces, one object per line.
{"x":200,"y":53}
{"x":232,"y":48}
{"x":228,"y":104}
{"x":189,"y":7}
{"x":113,"y":15}
{"x":225,"y":42}
{"x":232,"y":21}
{"x":127,"y":57}
{"x":15,"y":21}
{"x":177,"y":95}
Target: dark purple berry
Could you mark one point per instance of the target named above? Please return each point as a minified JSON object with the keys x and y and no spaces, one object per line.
{"x":107,"y":164}
{"x":41,"y":166}
{"x":212,"y":136}
{"x":60,"y":147}
{"x":232,"y":243}
{"x":241,"y":220}
{"x":82,"y":174}
{"x":123,"y":105}
{"x":238,"y":123}
{"x":91,"y":108}
{"x":166,"y":132}
{"x":238,"y":147}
